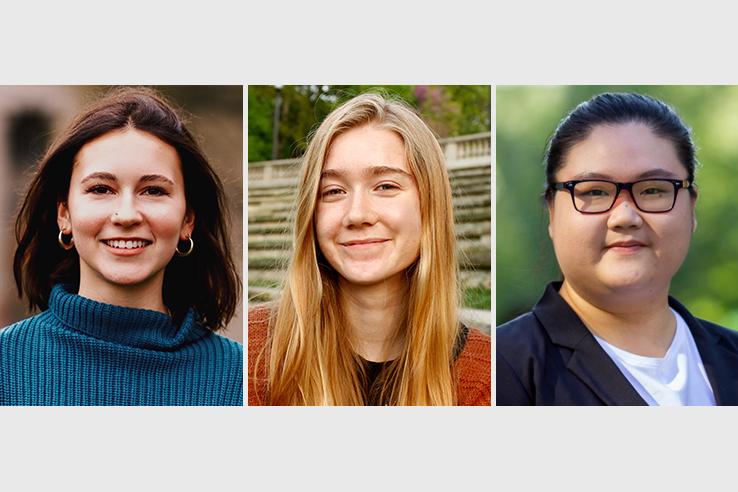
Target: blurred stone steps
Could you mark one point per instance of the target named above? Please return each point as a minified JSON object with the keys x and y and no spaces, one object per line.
{"x":272,"y":193}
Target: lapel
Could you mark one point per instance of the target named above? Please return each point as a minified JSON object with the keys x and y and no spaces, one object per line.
{"x":589,"y":361}
{"x":719,"y":358}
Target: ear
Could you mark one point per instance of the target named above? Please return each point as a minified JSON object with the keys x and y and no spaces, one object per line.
{"x":62,"y":217}
{"x":550,"y":206}
{"x":694,"y":210}
{"x":188,"y":225}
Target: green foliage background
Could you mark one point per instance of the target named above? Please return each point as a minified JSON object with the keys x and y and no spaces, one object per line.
{"x":448,"y":110}
{"x":527,"y":116}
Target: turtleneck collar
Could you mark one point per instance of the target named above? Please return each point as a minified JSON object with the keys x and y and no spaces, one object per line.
{"x":138,"y":328}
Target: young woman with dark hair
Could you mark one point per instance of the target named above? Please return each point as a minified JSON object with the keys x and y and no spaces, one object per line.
{"x":123,"y":243}
{"x":621,"y":200}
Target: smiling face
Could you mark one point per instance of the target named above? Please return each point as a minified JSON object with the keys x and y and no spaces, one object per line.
{"x":622,"y":251}
{"x":367,"y":218}
{"x":126,"y":210}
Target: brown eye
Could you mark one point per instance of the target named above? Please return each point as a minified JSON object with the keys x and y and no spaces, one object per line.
{"x":387,"y":187}
{"x":155,"y":191}
{"x":99,"y":190}
{"x":332,"y":192}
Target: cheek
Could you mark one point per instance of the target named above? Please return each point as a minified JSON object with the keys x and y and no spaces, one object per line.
{"x":675,"y":235}
{"x":406,"y":218}
{"x":327,"y":224}
{"x":575,"y":235}
{"x":85,"y":217}
{"x":560,"y":228}
{"x":165,"y":220}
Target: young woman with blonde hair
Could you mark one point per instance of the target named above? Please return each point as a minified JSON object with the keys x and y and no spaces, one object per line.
{"x":368,"y":312}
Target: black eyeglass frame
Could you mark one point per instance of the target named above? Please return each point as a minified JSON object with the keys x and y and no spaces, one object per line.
{"x":569,"y":186}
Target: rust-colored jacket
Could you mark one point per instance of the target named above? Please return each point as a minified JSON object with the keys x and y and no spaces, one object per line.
{"x":472,"y":365}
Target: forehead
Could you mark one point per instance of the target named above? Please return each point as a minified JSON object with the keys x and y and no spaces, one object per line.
{"x":621,"y":152}
{"x":364,"y":147}
{"x":128,"y":151}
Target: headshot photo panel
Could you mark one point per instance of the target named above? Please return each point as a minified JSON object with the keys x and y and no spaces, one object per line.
{"x":125,"y":285}
{"x":369,"y":245}
{"x":614,"y":247}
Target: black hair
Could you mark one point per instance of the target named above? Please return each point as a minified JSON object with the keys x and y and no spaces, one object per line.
{"x":619,"y":108}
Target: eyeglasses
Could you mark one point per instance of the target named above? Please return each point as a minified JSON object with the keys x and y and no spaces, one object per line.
{"x":596,"y":196}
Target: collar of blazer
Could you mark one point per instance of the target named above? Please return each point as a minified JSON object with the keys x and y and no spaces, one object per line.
{"x":718,"y":348}
{"x":591,"y":364}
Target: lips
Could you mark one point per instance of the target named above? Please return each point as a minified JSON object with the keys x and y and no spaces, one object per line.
{"x":125,"y":243}
{"x":363,"y":242}
{"x":626,"y":244}
{"x":625,"y":247}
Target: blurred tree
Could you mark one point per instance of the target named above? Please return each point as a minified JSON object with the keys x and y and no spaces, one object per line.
{"x":449,"y":111}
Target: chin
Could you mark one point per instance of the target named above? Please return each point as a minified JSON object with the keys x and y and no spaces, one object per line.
{"x":362,"y":280}
{"x":126,"y":282}
{"x":127,"y":279}
{"x":365,"y":278}
{"x":633,"y":283}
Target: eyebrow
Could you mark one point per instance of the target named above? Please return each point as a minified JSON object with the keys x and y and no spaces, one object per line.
{"x":147,"y":178}
{"x":99,"y":175}
{"x":156,"y":177}
{"x":653,"y":173}
{"x":370,"y":171}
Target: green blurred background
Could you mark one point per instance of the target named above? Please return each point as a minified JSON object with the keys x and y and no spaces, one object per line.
{"x":450,"y":110}
{"x":527,"y":116}
{"x":280,"y":120}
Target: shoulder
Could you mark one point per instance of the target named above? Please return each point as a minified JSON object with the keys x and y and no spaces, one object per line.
{"x":258,"y":328}
{"x":522,"y":345}
{"x":20,"y":343}
{"x":24,"y":327}
{"x":473,"y":367}
{"x":258,"y":337}
{"x":259,"y":316}
{"x":725,"y":335}
{"x":520,"y":327}
{"x":520,"y":335}
{"x":720,"y":335}
{"x":229,"y":348}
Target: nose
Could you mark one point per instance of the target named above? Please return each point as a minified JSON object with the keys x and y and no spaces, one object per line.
{"x":126,"y":212}
{"x":360,"y":211}
{"x":624,"y":213}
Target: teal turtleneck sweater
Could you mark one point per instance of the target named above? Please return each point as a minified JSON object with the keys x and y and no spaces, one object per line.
{"x":82,"y":352}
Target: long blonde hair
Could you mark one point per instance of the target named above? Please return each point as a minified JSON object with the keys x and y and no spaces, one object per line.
{"x":311,"y":360}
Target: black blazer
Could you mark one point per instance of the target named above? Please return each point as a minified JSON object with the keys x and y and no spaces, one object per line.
{"x":548,"y":357}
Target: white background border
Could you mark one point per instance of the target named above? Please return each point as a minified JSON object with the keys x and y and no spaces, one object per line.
{"x":460,"y":42}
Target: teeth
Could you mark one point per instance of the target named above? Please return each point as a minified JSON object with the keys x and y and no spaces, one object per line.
{"x":126,"y":244}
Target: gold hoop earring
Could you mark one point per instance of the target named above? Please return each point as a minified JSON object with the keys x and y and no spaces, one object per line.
{"x":60,"y":240}
{"x":186,"y":253}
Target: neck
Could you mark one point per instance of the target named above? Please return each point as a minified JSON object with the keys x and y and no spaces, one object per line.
{"x":144,"y":295}
{"x":643,"y":326}
{"x":375,"y":314}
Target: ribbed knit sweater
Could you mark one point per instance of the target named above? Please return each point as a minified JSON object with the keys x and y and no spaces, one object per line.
{"x":82,"y":352}
{"x":472,"y":365}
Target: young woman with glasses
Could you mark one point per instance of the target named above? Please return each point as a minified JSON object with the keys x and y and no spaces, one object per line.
{"x":621,"y":201}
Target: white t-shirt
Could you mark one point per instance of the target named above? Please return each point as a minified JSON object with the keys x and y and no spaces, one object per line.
{"x":678,"y":378}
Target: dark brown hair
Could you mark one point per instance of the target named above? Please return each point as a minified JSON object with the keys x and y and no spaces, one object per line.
{"x":205,"y":280}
